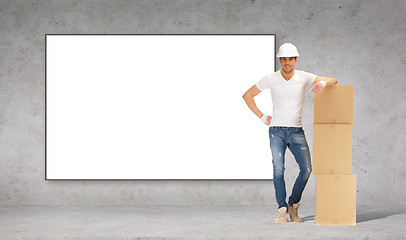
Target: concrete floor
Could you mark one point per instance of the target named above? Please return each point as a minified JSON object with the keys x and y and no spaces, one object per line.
{"x":190,"y":222}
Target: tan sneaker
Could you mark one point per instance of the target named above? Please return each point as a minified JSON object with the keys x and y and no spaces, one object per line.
{"x":293,"y":213}
{"x":283,"y":216}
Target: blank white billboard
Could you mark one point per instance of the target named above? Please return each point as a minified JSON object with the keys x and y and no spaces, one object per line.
{"x":156,"y":107}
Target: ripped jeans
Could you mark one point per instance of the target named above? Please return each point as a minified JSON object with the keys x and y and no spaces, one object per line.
{"x":293,"y":138}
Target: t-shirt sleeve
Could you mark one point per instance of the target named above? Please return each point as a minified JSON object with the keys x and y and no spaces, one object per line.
{"x":263,"y":83}
{"x":309,"y":77}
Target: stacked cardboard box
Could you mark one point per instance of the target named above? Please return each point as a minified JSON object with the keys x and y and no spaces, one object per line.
{"x":332,"y":156}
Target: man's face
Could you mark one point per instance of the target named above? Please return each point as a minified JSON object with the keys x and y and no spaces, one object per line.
{"x":288,"y":63}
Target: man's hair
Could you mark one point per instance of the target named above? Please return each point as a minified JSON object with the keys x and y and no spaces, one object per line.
{"x":286,"y":57}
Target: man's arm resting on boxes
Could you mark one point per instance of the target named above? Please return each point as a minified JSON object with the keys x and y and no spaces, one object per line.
{"x":329,"y":81}
{"x":321,"y":82}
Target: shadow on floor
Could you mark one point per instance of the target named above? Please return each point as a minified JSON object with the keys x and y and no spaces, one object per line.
{"x":308,"y":218}
{"x":377,"y":213}
{"x":368,"y":213}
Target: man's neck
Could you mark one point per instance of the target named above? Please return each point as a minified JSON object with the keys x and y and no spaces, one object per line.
{"x":287,"y":76}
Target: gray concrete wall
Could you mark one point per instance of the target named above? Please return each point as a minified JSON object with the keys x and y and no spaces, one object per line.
{"x":357,"y":42}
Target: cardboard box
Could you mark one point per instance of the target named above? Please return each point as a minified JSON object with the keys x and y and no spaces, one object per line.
{"x":335,"y":104}
{"x":336,"y":200}
{"x":332,"y":149}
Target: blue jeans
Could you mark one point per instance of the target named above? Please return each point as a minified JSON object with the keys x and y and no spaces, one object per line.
{"x":293,"y":138}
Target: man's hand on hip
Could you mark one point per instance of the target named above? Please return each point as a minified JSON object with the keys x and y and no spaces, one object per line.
{"x":266,"y":119}
{"x":318,"y":87}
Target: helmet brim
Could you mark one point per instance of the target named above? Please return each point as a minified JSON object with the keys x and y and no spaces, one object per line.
{"x":285,"y":56}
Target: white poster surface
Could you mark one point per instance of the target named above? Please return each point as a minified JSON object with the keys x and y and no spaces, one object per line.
{"x":156,"y":107}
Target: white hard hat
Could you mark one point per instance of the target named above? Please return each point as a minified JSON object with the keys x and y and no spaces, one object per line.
{"x":287,"y":50}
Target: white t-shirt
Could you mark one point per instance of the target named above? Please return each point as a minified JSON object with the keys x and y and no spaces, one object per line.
{"x":287,"y":96}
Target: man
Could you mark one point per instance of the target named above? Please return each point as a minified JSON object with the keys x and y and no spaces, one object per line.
{"x":288,"y":91}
